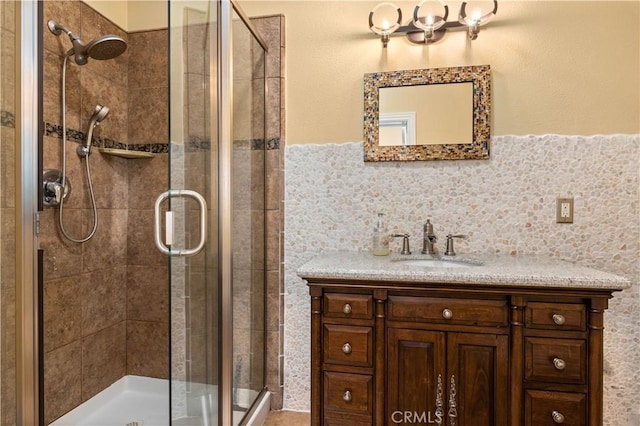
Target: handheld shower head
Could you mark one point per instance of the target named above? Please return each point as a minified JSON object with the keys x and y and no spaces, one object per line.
{"x":100,"y":48}
{"x":99,"y":114}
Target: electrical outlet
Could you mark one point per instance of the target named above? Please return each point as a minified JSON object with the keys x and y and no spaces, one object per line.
{"x":564,"y":210}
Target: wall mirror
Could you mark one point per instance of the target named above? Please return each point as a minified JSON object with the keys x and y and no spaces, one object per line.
{"x":427,"y":114}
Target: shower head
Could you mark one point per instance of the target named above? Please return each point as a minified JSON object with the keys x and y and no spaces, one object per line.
{"x":100,"y":48}
{"x":98,"y":115}
{"x":105,"y":47}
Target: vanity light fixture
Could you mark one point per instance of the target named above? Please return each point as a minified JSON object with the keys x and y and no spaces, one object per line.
{"x":384,"y":29}
{"x":430,"y":25}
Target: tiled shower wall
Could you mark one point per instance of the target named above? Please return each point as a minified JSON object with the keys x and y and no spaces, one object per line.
{"x":105,"y":301}
{"x":505,"y":204}
{"x":8,"y":144}
{"x":272,"y":31}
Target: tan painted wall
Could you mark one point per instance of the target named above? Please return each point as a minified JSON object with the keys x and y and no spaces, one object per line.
{"x":134,"y":15}
{"x":566,"y":67}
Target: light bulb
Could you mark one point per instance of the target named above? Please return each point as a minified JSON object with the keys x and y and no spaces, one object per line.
{"x":476,"y":15}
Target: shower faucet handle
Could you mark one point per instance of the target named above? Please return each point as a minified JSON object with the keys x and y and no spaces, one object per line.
{"x":53,"y":191}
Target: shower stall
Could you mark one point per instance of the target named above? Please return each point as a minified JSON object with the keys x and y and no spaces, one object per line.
{"x":165,"y":298}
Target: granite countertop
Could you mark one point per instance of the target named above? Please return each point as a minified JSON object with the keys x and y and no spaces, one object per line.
{"x":520,"y":271}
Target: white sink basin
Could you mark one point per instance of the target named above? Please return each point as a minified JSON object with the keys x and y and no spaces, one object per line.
{"x":435,"y":263}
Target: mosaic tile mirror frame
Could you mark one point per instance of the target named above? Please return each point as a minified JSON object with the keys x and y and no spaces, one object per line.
{"x":477,"y":148}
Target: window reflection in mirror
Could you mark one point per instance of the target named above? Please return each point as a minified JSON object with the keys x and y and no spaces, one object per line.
{"x":428,"y":114}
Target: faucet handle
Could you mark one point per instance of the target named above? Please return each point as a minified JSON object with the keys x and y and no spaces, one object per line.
{"x":405,"y":243}
{"x":450,"y":251}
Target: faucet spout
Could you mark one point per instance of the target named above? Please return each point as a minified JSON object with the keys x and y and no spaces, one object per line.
{"x":429,"y":238}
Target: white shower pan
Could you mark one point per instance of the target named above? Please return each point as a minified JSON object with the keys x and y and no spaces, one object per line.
{"x":137,"y":401}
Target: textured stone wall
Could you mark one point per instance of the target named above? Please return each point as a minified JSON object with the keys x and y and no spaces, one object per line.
{"x":505,"y":204}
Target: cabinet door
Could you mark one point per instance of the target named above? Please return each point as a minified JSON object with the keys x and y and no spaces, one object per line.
{"x":415,"y":358}
{"x":479,"y":365}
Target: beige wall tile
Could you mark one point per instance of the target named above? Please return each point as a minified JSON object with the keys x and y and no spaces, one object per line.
{"x":148,"y":115}
{"x":104,"y":295}
{"x":108,"y":247}
{"x":140,"y":247}
{"x":147,"y":293}
{"x":146,"y":180}
{"x":62,"y":312}
{"x":148,"y":59}
{"x":103,"y":359}
{"x":62,"y":380}
{"x":148,"y":349}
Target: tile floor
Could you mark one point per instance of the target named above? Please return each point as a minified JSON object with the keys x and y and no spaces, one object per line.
{"x":288,"y":418}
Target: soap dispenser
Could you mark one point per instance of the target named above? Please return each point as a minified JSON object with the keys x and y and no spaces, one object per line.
{"x":380,"y":237}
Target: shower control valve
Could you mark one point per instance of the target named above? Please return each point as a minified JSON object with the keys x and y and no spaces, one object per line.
{"x":52,"y":190}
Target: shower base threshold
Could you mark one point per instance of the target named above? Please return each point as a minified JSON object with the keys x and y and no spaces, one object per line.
{"x":139,"y":401}
{"x":132,"y":400}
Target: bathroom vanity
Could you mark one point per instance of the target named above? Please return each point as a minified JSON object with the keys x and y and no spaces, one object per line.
{"x":511,"y":341}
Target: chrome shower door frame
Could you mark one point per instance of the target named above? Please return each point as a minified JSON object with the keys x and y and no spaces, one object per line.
{"x":28,"y":372}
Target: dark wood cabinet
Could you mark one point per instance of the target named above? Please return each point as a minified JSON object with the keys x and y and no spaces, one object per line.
{"x":470,"y":369}
{"x":416,"y":364}
{"x":398,"y":353}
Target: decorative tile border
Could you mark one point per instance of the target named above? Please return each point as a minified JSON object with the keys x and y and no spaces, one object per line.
{"x":194,"y":144}
{"x":479,"y":75}
{"x":55,"y":130}
{"x":198,"y":144}
{"x":7,"y":119}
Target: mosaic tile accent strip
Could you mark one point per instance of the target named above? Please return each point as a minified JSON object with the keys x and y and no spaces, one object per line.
{"x":194,"y":143}
{"x":273,"y":144}
{"x":198,"y":144}
{"x":479,"y":75}
{"x":507,"y":207}
{"x":77,"y":136}
{"x":7,"y":119}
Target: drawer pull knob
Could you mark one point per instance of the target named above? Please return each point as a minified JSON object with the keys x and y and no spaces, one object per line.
{"x":559,"y":364}
{"x":346,"y":309}
{"x":346,"y":348}
{"x":557,"y":417}
{"x":447,"y":314}
{"x":347,"y":396}
{"x":558,"y":319}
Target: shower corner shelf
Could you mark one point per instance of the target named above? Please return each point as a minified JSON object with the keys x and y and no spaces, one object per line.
{"x":126,"y":153}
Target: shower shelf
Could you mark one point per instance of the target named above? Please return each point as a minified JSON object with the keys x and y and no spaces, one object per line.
{"x":126,"y":153}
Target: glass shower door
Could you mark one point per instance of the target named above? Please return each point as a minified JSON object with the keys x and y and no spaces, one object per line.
{"x":193,"y":166}
{"x":248,"y":213}
{"x":216,"y":152}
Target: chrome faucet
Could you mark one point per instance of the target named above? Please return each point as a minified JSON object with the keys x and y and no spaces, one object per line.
{"x":428,"y":239}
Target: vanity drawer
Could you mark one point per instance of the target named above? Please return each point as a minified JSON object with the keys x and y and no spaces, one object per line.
{"x":348,"y":345}
{"x":488,"y":313}
{"x":348,"y":393}
{"x":555,"y":360}
{"x":556,"y":316}
{"x":550,"y":408}
{"x":340,"y":305}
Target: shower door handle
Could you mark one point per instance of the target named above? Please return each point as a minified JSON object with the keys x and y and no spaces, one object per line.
{"x":169,"y":223}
